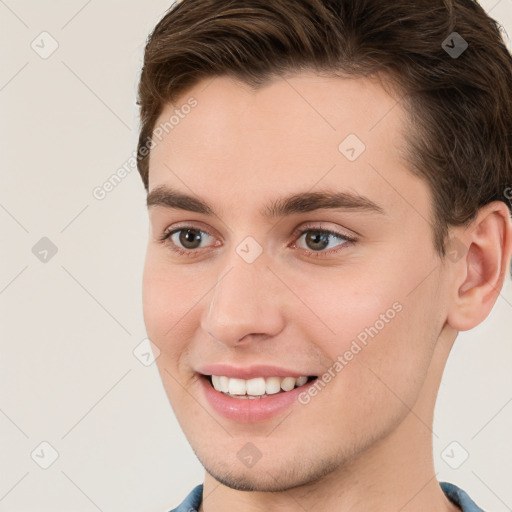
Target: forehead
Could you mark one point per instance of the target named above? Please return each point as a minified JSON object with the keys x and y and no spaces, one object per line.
{"x":296,"y":132}
{"x":299,"y":108}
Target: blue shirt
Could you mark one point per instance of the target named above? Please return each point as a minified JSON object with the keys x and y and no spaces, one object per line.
{"x":192,"y":502}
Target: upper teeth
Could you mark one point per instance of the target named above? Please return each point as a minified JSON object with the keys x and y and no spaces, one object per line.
{"x":256,"y":387}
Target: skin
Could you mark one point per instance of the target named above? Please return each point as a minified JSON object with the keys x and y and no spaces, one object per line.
{"x":365,"y":441}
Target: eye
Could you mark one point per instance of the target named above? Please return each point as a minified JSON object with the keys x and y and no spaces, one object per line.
{"x":185,"y":240}
{"x":318,"y":239}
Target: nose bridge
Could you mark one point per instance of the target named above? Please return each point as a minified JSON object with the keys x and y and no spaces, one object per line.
{"x":243,"y":301}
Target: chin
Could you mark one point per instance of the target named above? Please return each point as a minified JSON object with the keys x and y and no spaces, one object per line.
{"x":269,"y":476}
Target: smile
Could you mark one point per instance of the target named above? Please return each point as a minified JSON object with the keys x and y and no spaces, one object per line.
{"x":252,"y":400}
{"x":259,"y":387}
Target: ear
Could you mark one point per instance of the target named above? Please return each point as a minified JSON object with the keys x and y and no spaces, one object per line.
{"x":480,"y":255}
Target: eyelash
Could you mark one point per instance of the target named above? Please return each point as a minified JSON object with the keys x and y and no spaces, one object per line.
{"x":298,"y":233}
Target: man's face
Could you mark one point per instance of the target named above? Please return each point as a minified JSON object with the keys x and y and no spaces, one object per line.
{"x":249,"y":293}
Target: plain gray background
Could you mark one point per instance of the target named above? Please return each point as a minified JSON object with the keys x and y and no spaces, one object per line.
{"x":72,"y":320}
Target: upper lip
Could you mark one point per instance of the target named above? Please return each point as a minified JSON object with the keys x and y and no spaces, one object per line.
{"x":249,"y":372}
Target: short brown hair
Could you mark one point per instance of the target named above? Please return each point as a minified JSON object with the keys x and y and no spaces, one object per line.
{"x":460,"y":106}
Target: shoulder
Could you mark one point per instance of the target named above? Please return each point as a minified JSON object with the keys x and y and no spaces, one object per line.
{"x":459,"y":497}
{"x":192,"y":502}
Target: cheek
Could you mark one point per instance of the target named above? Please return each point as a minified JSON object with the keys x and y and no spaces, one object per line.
{"x":168,"y":305}
{"x":344,"y":307}
{"x":382,"y":343}
{"x":169,"y":318}
{"x":375,"y":383}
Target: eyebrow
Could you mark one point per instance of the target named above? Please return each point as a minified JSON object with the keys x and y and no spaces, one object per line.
{"x":301,"y":202}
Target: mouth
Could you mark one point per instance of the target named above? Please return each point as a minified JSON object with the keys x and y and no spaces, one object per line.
{"x":252,"y":394}
{"x":256,"y":388}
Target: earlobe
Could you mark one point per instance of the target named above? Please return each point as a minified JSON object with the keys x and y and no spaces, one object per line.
{"x":479,"y":274}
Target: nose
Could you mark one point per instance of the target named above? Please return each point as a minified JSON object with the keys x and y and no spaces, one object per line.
{"x":246,"y":304}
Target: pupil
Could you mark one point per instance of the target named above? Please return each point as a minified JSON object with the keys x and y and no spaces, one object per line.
{"x":189,"y":237}
{"x":315,"y":238}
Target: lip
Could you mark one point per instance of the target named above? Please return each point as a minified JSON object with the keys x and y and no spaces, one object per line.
{"x":249,"y":372}
{"x":247,"y":410}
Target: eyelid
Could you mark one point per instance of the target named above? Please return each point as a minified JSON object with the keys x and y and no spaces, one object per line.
{"x":320,"y":226}
{"x":168,"y":232}
{"x":195,"y":225}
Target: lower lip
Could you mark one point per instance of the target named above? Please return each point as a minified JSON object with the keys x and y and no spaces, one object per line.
{"x":250,"y":410}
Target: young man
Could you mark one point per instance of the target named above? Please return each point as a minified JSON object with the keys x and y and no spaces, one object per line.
{"x":327,"y":190}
